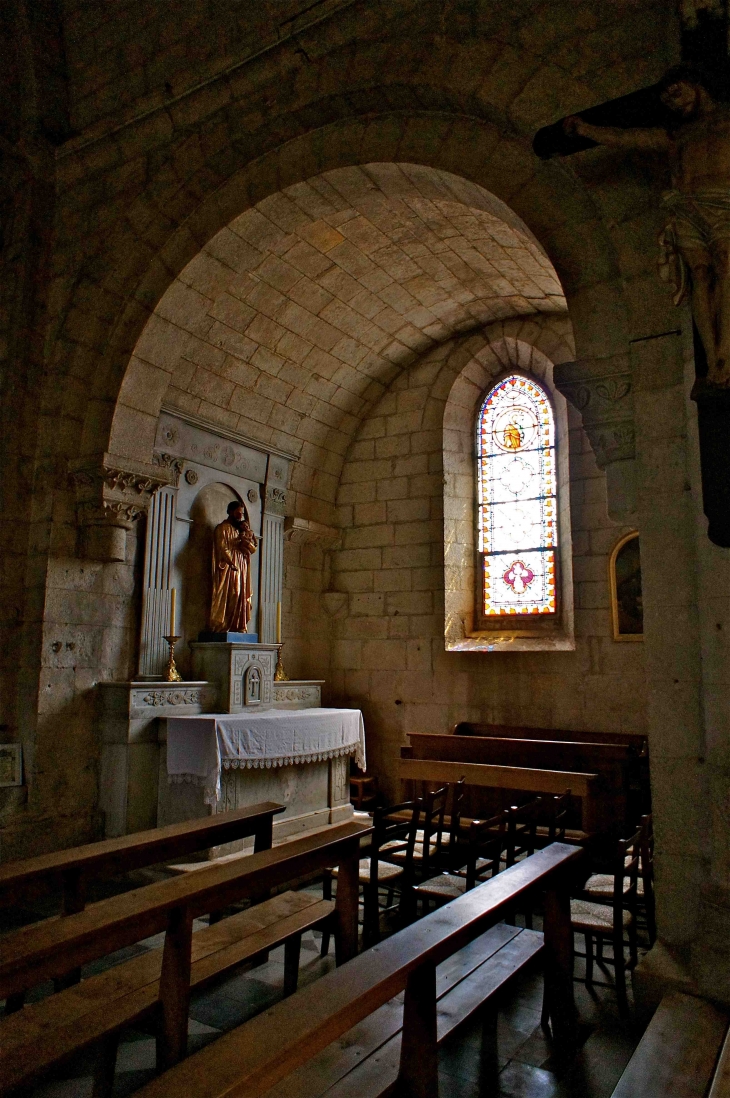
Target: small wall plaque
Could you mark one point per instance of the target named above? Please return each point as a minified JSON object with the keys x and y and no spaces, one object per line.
{"x":11,"y":764}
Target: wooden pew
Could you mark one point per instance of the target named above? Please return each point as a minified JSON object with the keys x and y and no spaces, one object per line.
{"x":70,"y":870}
{"x":158,"y":982}
{"x":637,"y":740}
{"x":251,"y":1059}
{"x":684,"y":1053}
{"x":619,"y":805}
{"x":512,"y":778}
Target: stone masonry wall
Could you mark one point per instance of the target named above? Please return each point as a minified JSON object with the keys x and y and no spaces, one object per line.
{"x":388,"y":653}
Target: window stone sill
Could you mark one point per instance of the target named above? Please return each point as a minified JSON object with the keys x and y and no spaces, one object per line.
{"x":485,"y":642}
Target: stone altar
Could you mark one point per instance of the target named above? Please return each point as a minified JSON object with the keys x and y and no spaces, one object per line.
{"x":224,"y":761}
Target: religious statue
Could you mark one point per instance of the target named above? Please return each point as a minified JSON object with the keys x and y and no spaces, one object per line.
{"x":695,"y":243}
{"x":234,"y":542}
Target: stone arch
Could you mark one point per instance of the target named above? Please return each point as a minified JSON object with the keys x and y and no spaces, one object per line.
{"x":539,"y":193}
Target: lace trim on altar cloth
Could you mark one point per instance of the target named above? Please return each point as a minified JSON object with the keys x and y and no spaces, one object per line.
{"x":212,"y":795}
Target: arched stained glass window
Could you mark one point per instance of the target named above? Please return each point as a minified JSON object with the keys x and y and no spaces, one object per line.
{"x":517,"y":517}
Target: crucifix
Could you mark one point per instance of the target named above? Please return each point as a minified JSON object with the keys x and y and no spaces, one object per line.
{"x":687,"y":117}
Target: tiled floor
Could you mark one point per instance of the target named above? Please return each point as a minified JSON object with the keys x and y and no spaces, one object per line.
{"x":529,"y":1067}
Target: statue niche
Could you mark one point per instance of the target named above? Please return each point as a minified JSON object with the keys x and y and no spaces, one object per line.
{"x":194,"y":560}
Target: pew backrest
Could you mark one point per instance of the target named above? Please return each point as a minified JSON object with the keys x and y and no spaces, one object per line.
{"x":474,"y":728}
{"x":71,"y":869}
{"x":513,"y":778}
{"x":247,"y":1061}
{"x":50,"y":949}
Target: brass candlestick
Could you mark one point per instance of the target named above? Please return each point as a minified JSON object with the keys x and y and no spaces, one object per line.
{"x":280,"y":674}
{"x":171,"y":672}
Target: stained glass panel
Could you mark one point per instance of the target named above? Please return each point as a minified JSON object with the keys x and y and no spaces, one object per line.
{"x":516,"y":478}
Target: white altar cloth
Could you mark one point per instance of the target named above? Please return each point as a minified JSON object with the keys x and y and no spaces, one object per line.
{"x":199,"y":747}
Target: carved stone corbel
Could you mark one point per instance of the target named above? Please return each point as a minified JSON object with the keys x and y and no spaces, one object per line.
{"x":605,"y":401}
{"x":298,"y":531}
{"x":111,"y":494}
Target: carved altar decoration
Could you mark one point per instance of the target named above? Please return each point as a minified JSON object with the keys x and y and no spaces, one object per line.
{"x":111,"y":494}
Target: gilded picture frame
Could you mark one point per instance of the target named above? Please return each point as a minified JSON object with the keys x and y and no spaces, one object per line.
{"x":624,"y":581}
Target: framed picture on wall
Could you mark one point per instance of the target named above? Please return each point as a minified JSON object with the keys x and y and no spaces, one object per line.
{"x":624,"y":577}
{"x":11,"y":764}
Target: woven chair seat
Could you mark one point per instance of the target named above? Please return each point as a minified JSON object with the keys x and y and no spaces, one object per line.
{"x":600,"y":886}
{"x":394,"y":852}
{"x":443,"y":887}
{"x":386,"y":871}
{"x":445,"y":837}
{"x":595,"y":918}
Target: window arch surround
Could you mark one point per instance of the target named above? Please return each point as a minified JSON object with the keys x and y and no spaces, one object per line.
{"x":465,"y":629}
{"x":517,"y":506}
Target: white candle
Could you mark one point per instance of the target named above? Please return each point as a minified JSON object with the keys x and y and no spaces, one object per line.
{"x":173,"y":600}
{"x":278,"y":623}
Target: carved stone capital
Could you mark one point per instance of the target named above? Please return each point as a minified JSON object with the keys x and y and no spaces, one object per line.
{"x":606,"y":405}
{"x":169,"y":461}
{"x":111,"y":494}
{"x":275,"y":500}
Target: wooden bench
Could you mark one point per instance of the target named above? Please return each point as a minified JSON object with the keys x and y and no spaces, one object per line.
{"x":158,"y":983}
{"x":513,"y":778}
{"x":620,"y":801}
{"x":684,"y":1053}
{"x":636,"y":740}
{"x":71,"y":870}
{"x":251,"y":1059}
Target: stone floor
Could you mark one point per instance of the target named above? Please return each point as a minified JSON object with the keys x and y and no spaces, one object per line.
{"x":528,"y":1066}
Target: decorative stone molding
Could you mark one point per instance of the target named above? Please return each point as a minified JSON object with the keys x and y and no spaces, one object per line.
{"x":275,"y":500}
{"x":169,"y":461}
{"x":203,"y":696}
{"x":305,"y":694}
{"x":298,"y":531}
{"x":111,"y":494}
{"x":606,"y":405}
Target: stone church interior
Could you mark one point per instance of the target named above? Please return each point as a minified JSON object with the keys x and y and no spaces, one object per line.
{"x":365,"y":548}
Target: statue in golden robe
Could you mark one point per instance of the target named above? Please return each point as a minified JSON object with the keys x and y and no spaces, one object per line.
{"x":234,"y":542}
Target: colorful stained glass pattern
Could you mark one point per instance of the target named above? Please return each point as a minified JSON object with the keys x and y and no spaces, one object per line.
{"x":518,"y":531}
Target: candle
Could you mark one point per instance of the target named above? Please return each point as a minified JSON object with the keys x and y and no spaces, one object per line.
{"x":278,"y":623}
{"x":173,"y":600}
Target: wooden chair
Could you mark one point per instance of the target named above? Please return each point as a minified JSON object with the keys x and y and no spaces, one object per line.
{"x":423,"y":850}
{"x":600,"y":886}
{"x":364,"y":791}
{"x":395,"y":826}
{"x":482,"y":856}
{"x":612,"y":921}
{"x":553,"y":818}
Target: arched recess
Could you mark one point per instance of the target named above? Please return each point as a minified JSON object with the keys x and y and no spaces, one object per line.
{"x":461,"y":633}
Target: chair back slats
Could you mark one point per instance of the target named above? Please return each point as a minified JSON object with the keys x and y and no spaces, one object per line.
{"x":522,"y":821}
{"x":487,"y":844}
{"x":626,"y":875}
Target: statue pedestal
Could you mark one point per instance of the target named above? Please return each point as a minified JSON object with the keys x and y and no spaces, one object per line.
{"x":243,"y":673}
{"x":228,"y":638}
